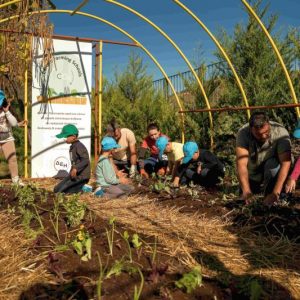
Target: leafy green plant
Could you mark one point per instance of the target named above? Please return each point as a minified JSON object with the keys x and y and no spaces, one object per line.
{"x":190,"y":280}
{"x":110,"y":234}
{"x":194,"y":193}
{"x":161,"y":184}
{"x":116,"y":269}
{"x":83,"y":244}
{"x":25,"y":195}
{"x":136,"y":241}
{"x":137,"y":244}
{"x":75,"y":210}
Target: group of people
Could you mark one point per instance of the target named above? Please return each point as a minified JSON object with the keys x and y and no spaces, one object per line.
{"x":263,"y":158}
{"x":119,"y":161}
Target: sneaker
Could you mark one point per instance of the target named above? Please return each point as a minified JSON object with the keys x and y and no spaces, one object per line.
{"x":16,"y":180}
{"x":99,"y":192}
{"x":87,"y":188}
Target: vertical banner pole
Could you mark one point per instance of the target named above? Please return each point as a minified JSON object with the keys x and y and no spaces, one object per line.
{"x":100,"y":90}
{"x":26,"y":124}
{"x":96,"y":106}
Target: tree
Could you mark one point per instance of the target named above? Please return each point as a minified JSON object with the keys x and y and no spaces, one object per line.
{"x":257,"y":65}
{"x":131,"y":99}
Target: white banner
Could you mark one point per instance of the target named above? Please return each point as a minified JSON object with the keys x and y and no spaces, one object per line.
{"x":61,"y":95}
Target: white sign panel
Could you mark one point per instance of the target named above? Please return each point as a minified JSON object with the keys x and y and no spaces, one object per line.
{"x":60,"y":95}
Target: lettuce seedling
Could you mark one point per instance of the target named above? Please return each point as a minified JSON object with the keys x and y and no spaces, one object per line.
{"x":190,"y":280}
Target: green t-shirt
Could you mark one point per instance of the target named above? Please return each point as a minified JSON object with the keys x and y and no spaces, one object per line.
{"x":278,"y":143}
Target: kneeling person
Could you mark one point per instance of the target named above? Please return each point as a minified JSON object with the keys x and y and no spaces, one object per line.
{"x":106,"y":178}
{"x":174,"y":153}
{"x":199,"y":166}
{"x":80,"y":163}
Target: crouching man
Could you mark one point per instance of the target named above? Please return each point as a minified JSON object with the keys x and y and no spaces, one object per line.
{"x":263,"y":158}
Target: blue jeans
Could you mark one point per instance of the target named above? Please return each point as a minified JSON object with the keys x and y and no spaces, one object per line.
{"x":152,"y":165}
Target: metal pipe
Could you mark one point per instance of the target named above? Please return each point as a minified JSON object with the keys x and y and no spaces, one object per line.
{"x":279,"y":57}
{"x":71,"y":38}
{"x":238,"y":81}
{"x":223,"y":109}
{"x":9,"y":3}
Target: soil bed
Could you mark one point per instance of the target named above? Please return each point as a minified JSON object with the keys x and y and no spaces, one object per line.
{"x":74,"y":278}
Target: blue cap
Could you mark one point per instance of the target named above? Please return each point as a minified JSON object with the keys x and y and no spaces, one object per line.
{"x":109,"y":143}
{"x":296,"y":132}
{"x":2,"y":97}
{"x":189,"y":149}
{"x":161,"y":144}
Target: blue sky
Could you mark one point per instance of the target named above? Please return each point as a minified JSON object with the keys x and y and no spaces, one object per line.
{"x":172,"y":19}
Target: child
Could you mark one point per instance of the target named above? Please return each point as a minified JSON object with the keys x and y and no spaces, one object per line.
{"x":174,"y":153}
{"x":80,"y":163}
{"x":200,"y":166}
{"x":106,"y":178}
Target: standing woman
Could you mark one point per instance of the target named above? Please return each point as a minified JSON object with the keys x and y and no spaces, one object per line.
{"x":7,"y":141}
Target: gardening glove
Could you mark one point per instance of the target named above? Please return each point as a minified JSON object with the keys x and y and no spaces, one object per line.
{"x":132,"y":171}
{"x":144,"y":174}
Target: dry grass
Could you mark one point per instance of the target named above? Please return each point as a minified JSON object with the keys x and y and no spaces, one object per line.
{"x":19,"y":268}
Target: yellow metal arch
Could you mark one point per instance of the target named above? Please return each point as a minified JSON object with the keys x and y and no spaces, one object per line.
{"x":179,"y":51}
{"x":125,"y":33}
{"x":238,"y":81}
{"x":9,"y":3}
{"x":279,"y":57}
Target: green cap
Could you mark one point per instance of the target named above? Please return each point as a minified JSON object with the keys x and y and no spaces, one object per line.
{"x":67,"y":130}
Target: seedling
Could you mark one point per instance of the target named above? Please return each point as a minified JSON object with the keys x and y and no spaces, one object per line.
{"x":137,"y":244}
{"x":125,"y":236}
{"x":193,"y":193}
{"x":110,"y":234}
{"x":136,"y":241}
{"x":54,"y":220}
{"x":116,"y":269}
{"x":137,"y":292}
{"x":190,"y":280}
{"x":100,"y":279}
{"x":83,"y":244}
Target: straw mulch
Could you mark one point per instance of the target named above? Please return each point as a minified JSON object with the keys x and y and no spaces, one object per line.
{"x":211,"y":242}
{"x":19,"y":268}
